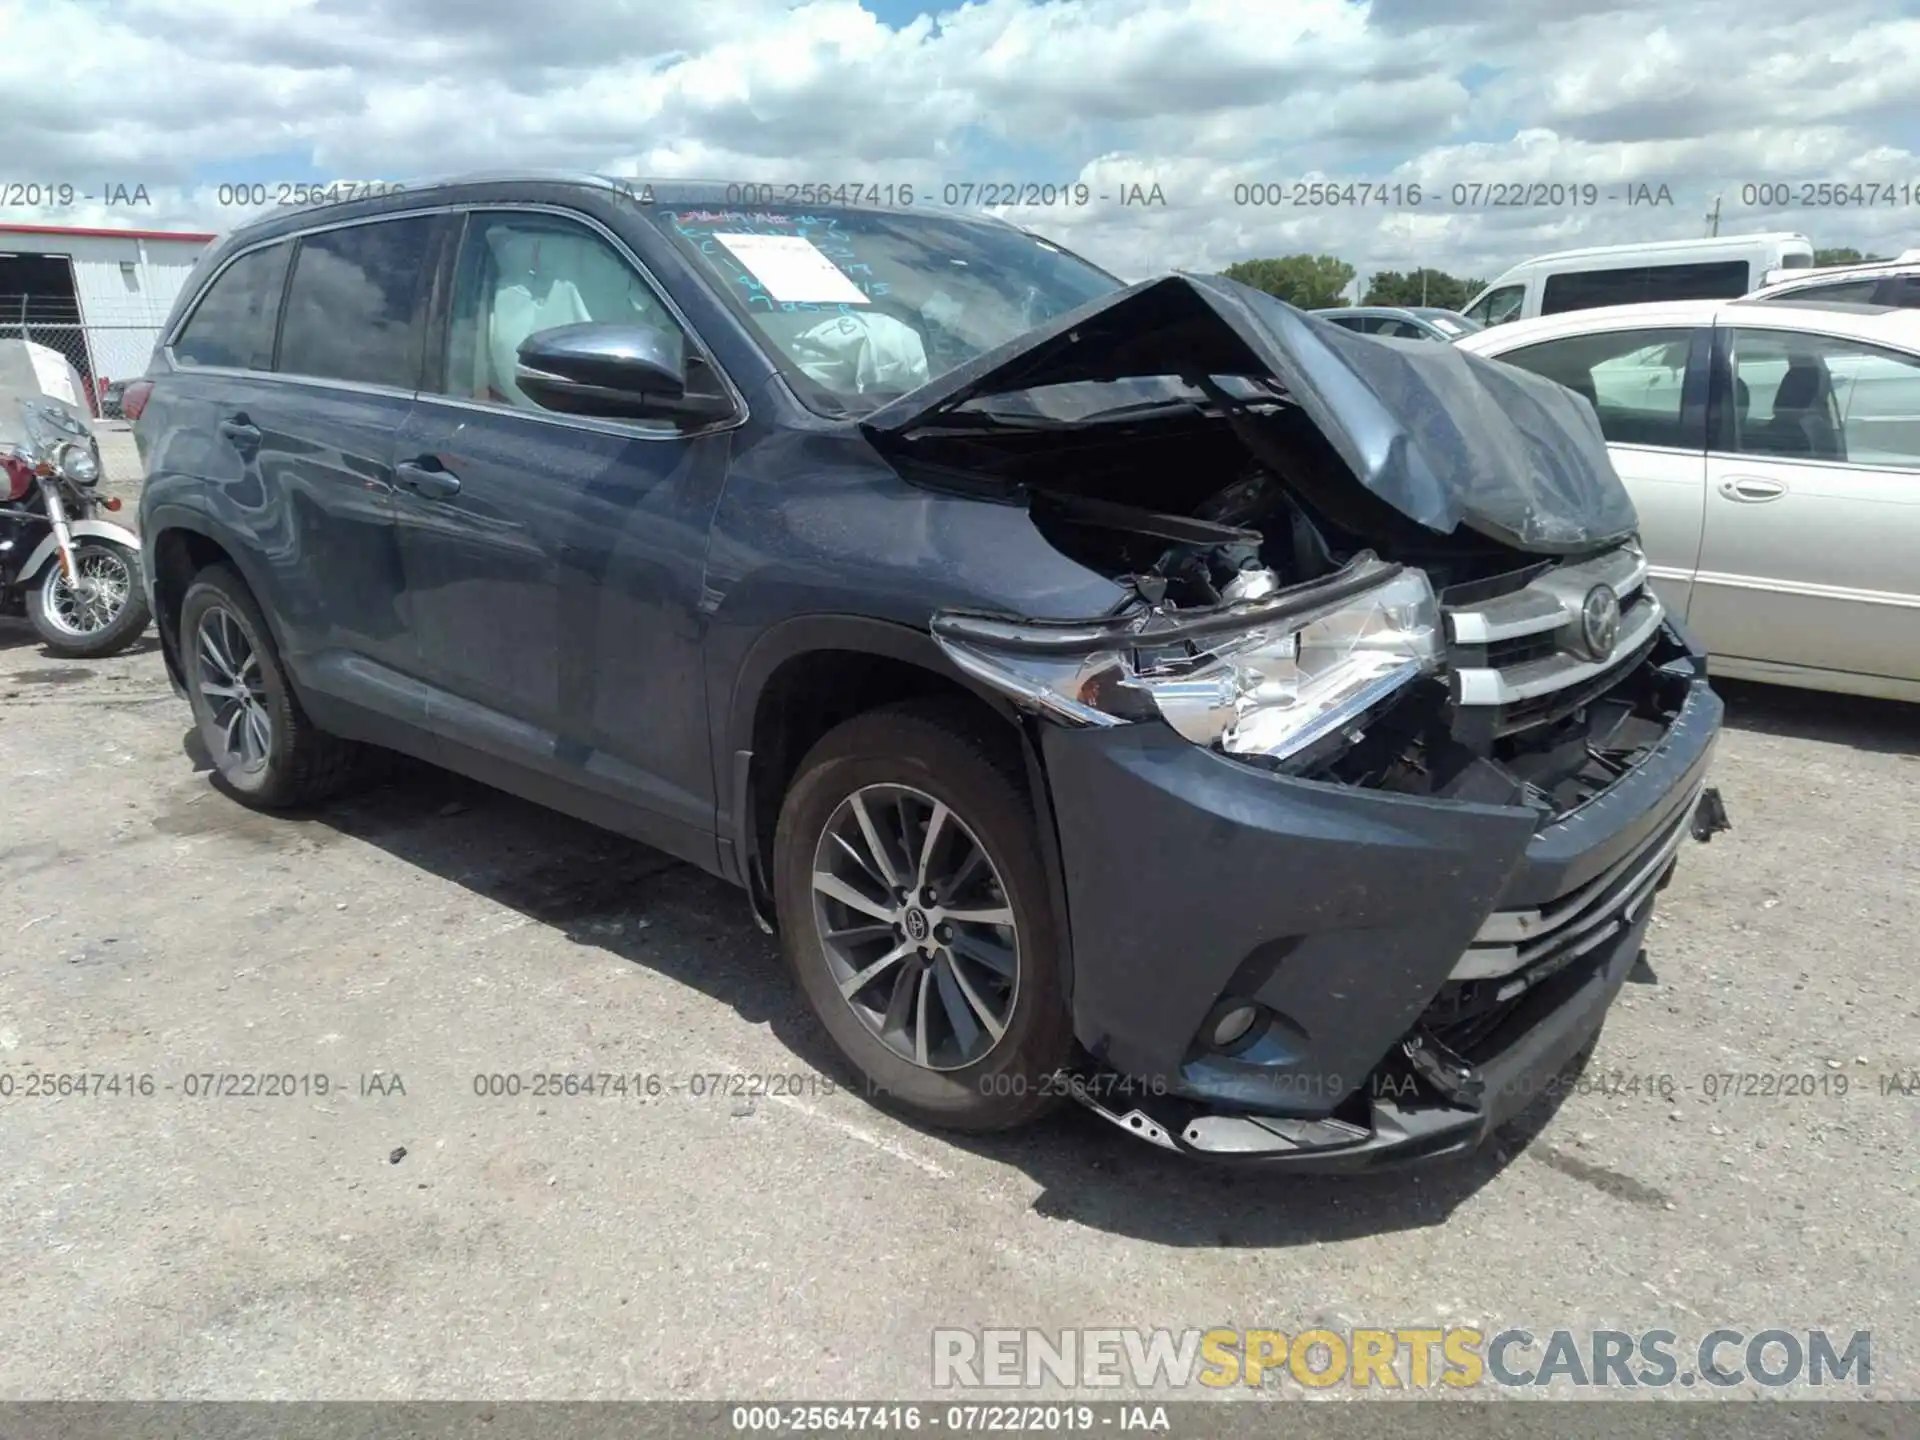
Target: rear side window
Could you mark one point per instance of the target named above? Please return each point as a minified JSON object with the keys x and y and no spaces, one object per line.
{"x":1801,"y":396}
{"x":1590,"y":289}
{"x":233,"y":324}
{"x":1904,"y":292}
{"x":356,"y":306}
{"x":1845,"y":292}
{"x":1639,"y":284}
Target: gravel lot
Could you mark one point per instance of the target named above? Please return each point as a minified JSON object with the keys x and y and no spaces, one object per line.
{"x":434,"y":1243}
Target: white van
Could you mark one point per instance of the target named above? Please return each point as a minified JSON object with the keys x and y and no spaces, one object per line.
{"x":1721,"y":268}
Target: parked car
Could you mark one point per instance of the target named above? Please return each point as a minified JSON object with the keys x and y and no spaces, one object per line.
{"x":1773,"y":452}
{"x":1221,"y":752}
{"x":1887,"y":282}
{"x":1398,"y":322}
{"x":1713,"y":268}
{"x":111,"y":396}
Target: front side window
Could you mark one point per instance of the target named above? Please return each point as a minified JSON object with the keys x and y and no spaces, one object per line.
{"x":233,"y":324}
{"x":1819,"y":397}
{"x":1497,"y":307}
{"x":1634,"y":379}
{"x":356,"y":306}
{"x":522,"y":274}
{"x":859,"y":307}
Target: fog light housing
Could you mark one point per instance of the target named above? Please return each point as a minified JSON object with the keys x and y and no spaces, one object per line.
{"x":1231,"y":1023}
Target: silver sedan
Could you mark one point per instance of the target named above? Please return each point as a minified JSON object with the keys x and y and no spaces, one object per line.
{"x":1773,"y":452}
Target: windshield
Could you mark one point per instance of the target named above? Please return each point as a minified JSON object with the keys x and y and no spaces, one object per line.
{"x":860,"y":307}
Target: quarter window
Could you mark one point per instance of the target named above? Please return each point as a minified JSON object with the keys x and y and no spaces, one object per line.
{"x":233,"y":324}
{"x":356,"y":306}
{"x":520,"y":275}
{"x":1820,"y":397}
{"x":1634,"y":379}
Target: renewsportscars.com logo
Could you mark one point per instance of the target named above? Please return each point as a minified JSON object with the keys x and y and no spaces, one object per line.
{"x":1458,"y":1357}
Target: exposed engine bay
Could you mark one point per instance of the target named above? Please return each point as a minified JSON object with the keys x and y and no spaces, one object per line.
{"x":1396,"y":565}
{"x":1190,"y":519}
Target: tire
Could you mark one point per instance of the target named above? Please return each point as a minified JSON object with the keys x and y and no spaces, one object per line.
{"x":47,"y":604}
{"x":942,"y":1064}
{"x":277,"y":757}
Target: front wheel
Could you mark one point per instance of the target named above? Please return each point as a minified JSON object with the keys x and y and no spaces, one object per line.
{"x":99,"y":612}
{"x":915,"y":912}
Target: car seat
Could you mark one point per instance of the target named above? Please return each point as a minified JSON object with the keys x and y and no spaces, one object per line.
{"x":1802,"y":422}
{"x":526,"y":299}
{"x":542,"y":280}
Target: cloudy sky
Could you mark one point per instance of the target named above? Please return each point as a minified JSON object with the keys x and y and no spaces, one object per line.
{"x":1202,"y":98}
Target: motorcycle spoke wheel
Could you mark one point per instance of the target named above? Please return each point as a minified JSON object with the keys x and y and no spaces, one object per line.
{"x":94,"y":598}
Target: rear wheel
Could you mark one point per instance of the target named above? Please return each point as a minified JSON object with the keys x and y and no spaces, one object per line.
{"x":100,"y":611}
{"x":263,"y":747}
{"x":914,"y":911}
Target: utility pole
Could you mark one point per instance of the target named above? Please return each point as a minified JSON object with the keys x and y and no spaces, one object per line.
{"x":1713,"y":220}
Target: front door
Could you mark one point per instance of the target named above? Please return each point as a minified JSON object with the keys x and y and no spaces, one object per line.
{"x":554,"y":563}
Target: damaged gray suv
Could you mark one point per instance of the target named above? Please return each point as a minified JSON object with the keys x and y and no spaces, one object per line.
{"x":1148,"y":696}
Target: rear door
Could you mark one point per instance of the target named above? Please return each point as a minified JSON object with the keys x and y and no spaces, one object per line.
{"x":554,"y":563}
{"x":1812,"y":524}
{"x":1648,"y":385}
{"x":352,"y":337}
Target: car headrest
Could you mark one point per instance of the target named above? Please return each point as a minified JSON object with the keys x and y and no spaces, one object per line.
{"x":516,"y":254}
{"x":1803,"y":387}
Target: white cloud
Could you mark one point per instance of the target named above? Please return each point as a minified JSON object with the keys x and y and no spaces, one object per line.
{"x":1198,"y":96}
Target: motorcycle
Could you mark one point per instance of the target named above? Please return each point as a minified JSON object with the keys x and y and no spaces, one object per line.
{"x":75,"y":576}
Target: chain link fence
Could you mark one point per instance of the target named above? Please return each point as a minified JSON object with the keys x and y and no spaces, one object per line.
{"x":107,"y":356}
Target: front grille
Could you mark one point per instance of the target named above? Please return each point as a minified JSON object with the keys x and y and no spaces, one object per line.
{"x":1503,"y":654}
{"x":1518,"y":660}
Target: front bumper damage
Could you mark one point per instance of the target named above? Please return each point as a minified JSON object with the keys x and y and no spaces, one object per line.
{"x":1427,"y":968}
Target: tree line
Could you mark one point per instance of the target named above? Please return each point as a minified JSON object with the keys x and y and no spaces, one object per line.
{"x":1321,"y":282}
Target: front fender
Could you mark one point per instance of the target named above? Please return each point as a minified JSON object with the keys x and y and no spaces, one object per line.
{"x":82,"y":530}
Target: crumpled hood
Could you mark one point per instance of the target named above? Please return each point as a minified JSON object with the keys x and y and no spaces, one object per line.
{"x":1445,"y":437}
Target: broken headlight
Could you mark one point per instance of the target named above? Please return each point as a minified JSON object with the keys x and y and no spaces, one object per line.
{"x":1293,"y":674}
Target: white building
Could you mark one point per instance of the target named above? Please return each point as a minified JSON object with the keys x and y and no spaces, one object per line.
{"x":100,"y":296}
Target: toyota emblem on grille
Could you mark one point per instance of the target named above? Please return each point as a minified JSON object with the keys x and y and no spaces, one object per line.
{"x":1600,"y":621}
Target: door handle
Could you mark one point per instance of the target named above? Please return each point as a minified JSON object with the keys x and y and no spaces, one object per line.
{"x":1752,"y":488}
{"x":432,"y":483}
{"x":240,"y":431}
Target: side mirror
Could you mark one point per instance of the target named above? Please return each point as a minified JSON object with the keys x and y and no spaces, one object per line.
{"x":614,"y":371}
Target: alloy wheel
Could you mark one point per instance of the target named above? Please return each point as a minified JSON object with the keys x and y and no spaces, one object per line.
{"x":917,"y":926}
{"x":94,"y":598}
{"x":230,"y":679}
